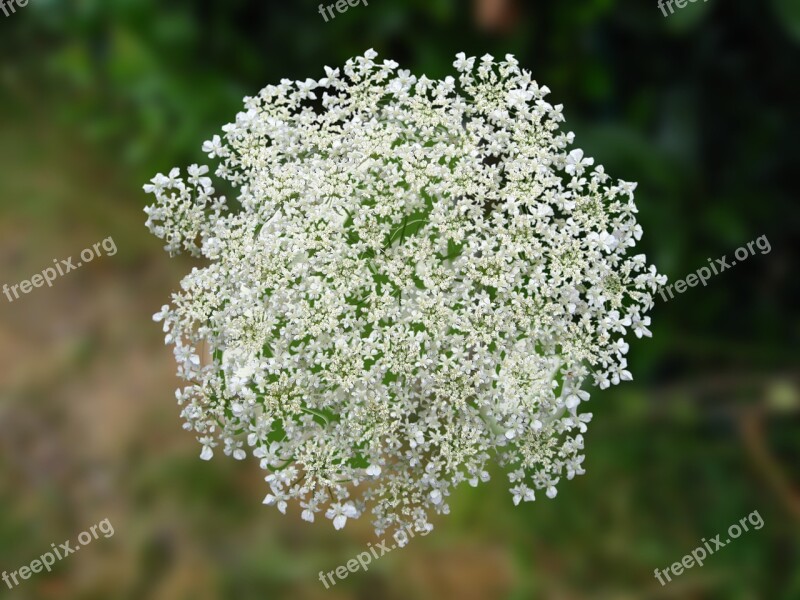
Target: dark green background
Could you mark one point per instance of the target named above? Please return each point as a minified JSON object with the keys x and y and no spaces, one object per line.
{"x":700,"y":108}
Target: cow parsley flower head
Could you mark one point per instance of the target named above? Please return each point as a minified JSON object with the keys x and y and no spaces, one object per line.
{"x":416,"y":278}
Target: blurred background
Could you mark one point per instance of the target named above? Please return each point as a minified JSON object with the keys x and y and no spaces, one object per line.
{"x":701,"y":108}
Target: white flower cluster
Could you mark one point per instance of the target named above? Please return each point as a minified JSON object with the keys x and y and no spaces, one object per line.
{"x":416,"y":277}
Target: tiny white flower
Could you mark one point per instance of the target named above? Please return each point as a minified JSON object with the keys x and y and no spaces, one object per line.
{"x":339,"y":513}
{"x":213,"y":147}
{"x":576,"y":162}
{"x":462,"y":63}
{"x":522,"y":492}
{"x":572,"y":401}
